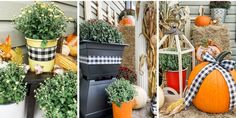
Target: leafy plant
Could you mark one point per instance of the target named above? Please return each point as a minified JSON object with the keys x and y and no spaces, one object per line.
{"x":220,"y":4}
{"x":170,"y":62}
{"x":99,"y":31}
{"x":120,"y":91}
{"x":41,"y":21}
{"x":127,"y":74}
{"x":13,"y":88}
{"x":57,"y":96}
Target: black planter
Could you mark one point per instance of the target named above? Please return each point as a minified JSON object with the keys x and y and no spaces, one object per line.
{"x":93,"y":98}
{"x":100,"y":60}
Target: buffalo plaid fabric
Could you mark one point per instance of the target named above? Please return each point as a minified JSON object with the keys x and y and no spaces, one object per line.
{"x":93,"y":60}
{"x":41,"y":54}
{"x":224,"y":67}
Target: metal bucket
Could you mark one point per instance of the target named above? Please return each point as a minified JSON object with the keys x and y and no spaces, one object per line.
{"x":218,"y":14}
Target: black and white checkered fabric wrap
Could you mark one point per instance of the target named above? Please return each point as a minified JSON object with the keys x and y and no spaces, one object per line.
{"x":41,"y":54}
{"x":224,"y":67}
{"x":94,"y":60}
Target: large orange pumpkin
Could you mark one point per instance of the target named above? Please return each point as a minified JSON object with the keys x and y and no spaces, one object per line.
{"x":213,"y":95}
{"x":202,"y":21}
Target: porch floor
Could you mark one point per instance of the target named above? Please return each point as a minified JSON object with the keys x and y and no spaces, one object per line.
{"x":193,"y":112}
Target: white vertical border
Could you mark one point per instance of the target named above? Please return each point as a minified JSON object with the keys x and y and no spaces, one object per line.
{"x":157,"y":63}
{"x":78,"y":71}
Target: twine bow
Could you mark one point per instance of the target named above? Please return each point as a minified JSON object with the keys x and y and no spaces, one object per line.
{"x":224,"y":67}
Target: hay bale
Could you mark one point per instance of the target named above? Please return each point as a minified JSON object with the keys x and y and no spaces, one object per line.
{"x":129,"y":51}
{"x":218,"y":33}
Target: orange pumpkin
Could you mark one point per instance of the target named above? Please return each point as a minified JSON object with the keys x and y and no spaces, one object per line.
{"x":213,"y":95}
{"x":202,"y":21}
{"x":126,"y":22}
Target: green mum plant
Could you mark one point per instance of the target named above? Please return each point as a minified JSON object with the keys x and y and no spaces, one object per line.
{"x":120,"y":91}
{"x":42,"y":21}
{"x":170,"y":62}
{"x":220,"y":4}
{"x":99,"y":31}
{"x":57,"y":96}
{"x":13,"y":87}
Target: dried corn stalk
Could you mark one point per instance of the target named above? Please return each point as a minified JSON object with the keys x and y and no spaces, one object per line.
{"x":172,"y":15}
{"x":149,"y":30}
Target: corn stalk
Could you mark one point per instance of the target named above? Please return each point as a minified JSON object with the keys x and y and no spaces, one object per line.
{"x":149,"y":30}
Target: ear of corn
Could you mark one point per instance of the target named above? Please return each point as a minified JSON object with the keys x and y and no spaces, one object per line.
{"x":175,"y":107}
{"x":66,"y":62}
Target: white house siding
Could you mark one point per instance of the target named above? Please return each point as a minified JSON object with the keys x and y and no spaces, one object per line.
{"x":105,"y":10}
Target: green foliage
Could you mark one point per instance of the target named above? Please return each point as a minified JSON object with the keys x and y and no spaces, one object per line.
{"x":13,"y":88}
{"x":42,"y":21}
{"x":220,"y":4}
{"x":99,"y":31}
{"x":120,"y":91}
{"x":57,"y":97}
{"x":170,"y":62}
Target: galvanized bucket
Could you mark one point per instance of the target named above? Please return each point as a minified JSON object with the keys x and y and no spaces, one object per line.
{"x":218,"y":14}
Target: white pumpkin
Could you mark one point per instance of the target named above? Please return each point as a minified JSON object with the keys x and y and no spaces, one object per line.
{"x":161,"y":97}
{"x":141,"y":98}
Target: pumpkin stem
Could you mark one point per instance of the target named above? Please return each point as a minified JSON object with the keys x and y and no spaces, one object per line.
{"x":222,"y":55}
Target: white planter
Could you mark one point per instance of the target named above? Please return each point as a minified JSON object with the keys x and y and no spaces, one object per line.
{"x":37,"y":112}
{"x":13,"y":110}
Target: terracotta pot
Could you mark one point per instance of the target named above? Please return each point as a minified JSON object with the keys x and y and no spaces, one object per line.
{"x":124,"y":111}
{"x":172,"y":78}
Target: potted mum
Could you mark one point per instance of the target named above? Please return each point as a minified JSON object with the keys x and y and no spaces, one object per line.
{"x":169,"y":64}
{"x":42,"y":24}
{"x":101,"y":48}
{"x":57,"y":96}
{"x":12,"y":90}
{"x":219,"y":10}
{"x":121,"y":94}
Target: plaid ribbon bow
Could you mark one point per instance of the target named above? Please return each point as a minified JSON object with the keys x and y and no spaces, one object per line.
{"x":224,"y":67}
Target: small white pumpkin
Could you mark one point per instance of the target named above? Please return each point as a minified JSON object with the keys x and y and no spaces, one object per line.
{"x":161,"y":97}
{"x":141,"y":98}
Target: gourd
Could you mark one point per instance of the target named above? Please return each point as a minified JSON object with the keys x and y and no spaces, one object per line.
{"x":212,"y":48}
{"x":140,"y":99}
{"x":161,"y":97}
{"x":72,"y":44}
{"x":213,"y":95}
{"x":73,"y":50}
{"x":202,"y":21}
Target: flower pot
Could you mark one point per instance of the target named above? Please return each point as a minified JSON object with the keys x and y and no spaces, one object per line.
{"x":172,"y":78}
{"x":13,"y":110}
{"x":99,"y":59}
{"x":37,"y":112}
{"x":218,"y":14}
{"x":43,"y":56}
{"x":124,"y":111}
